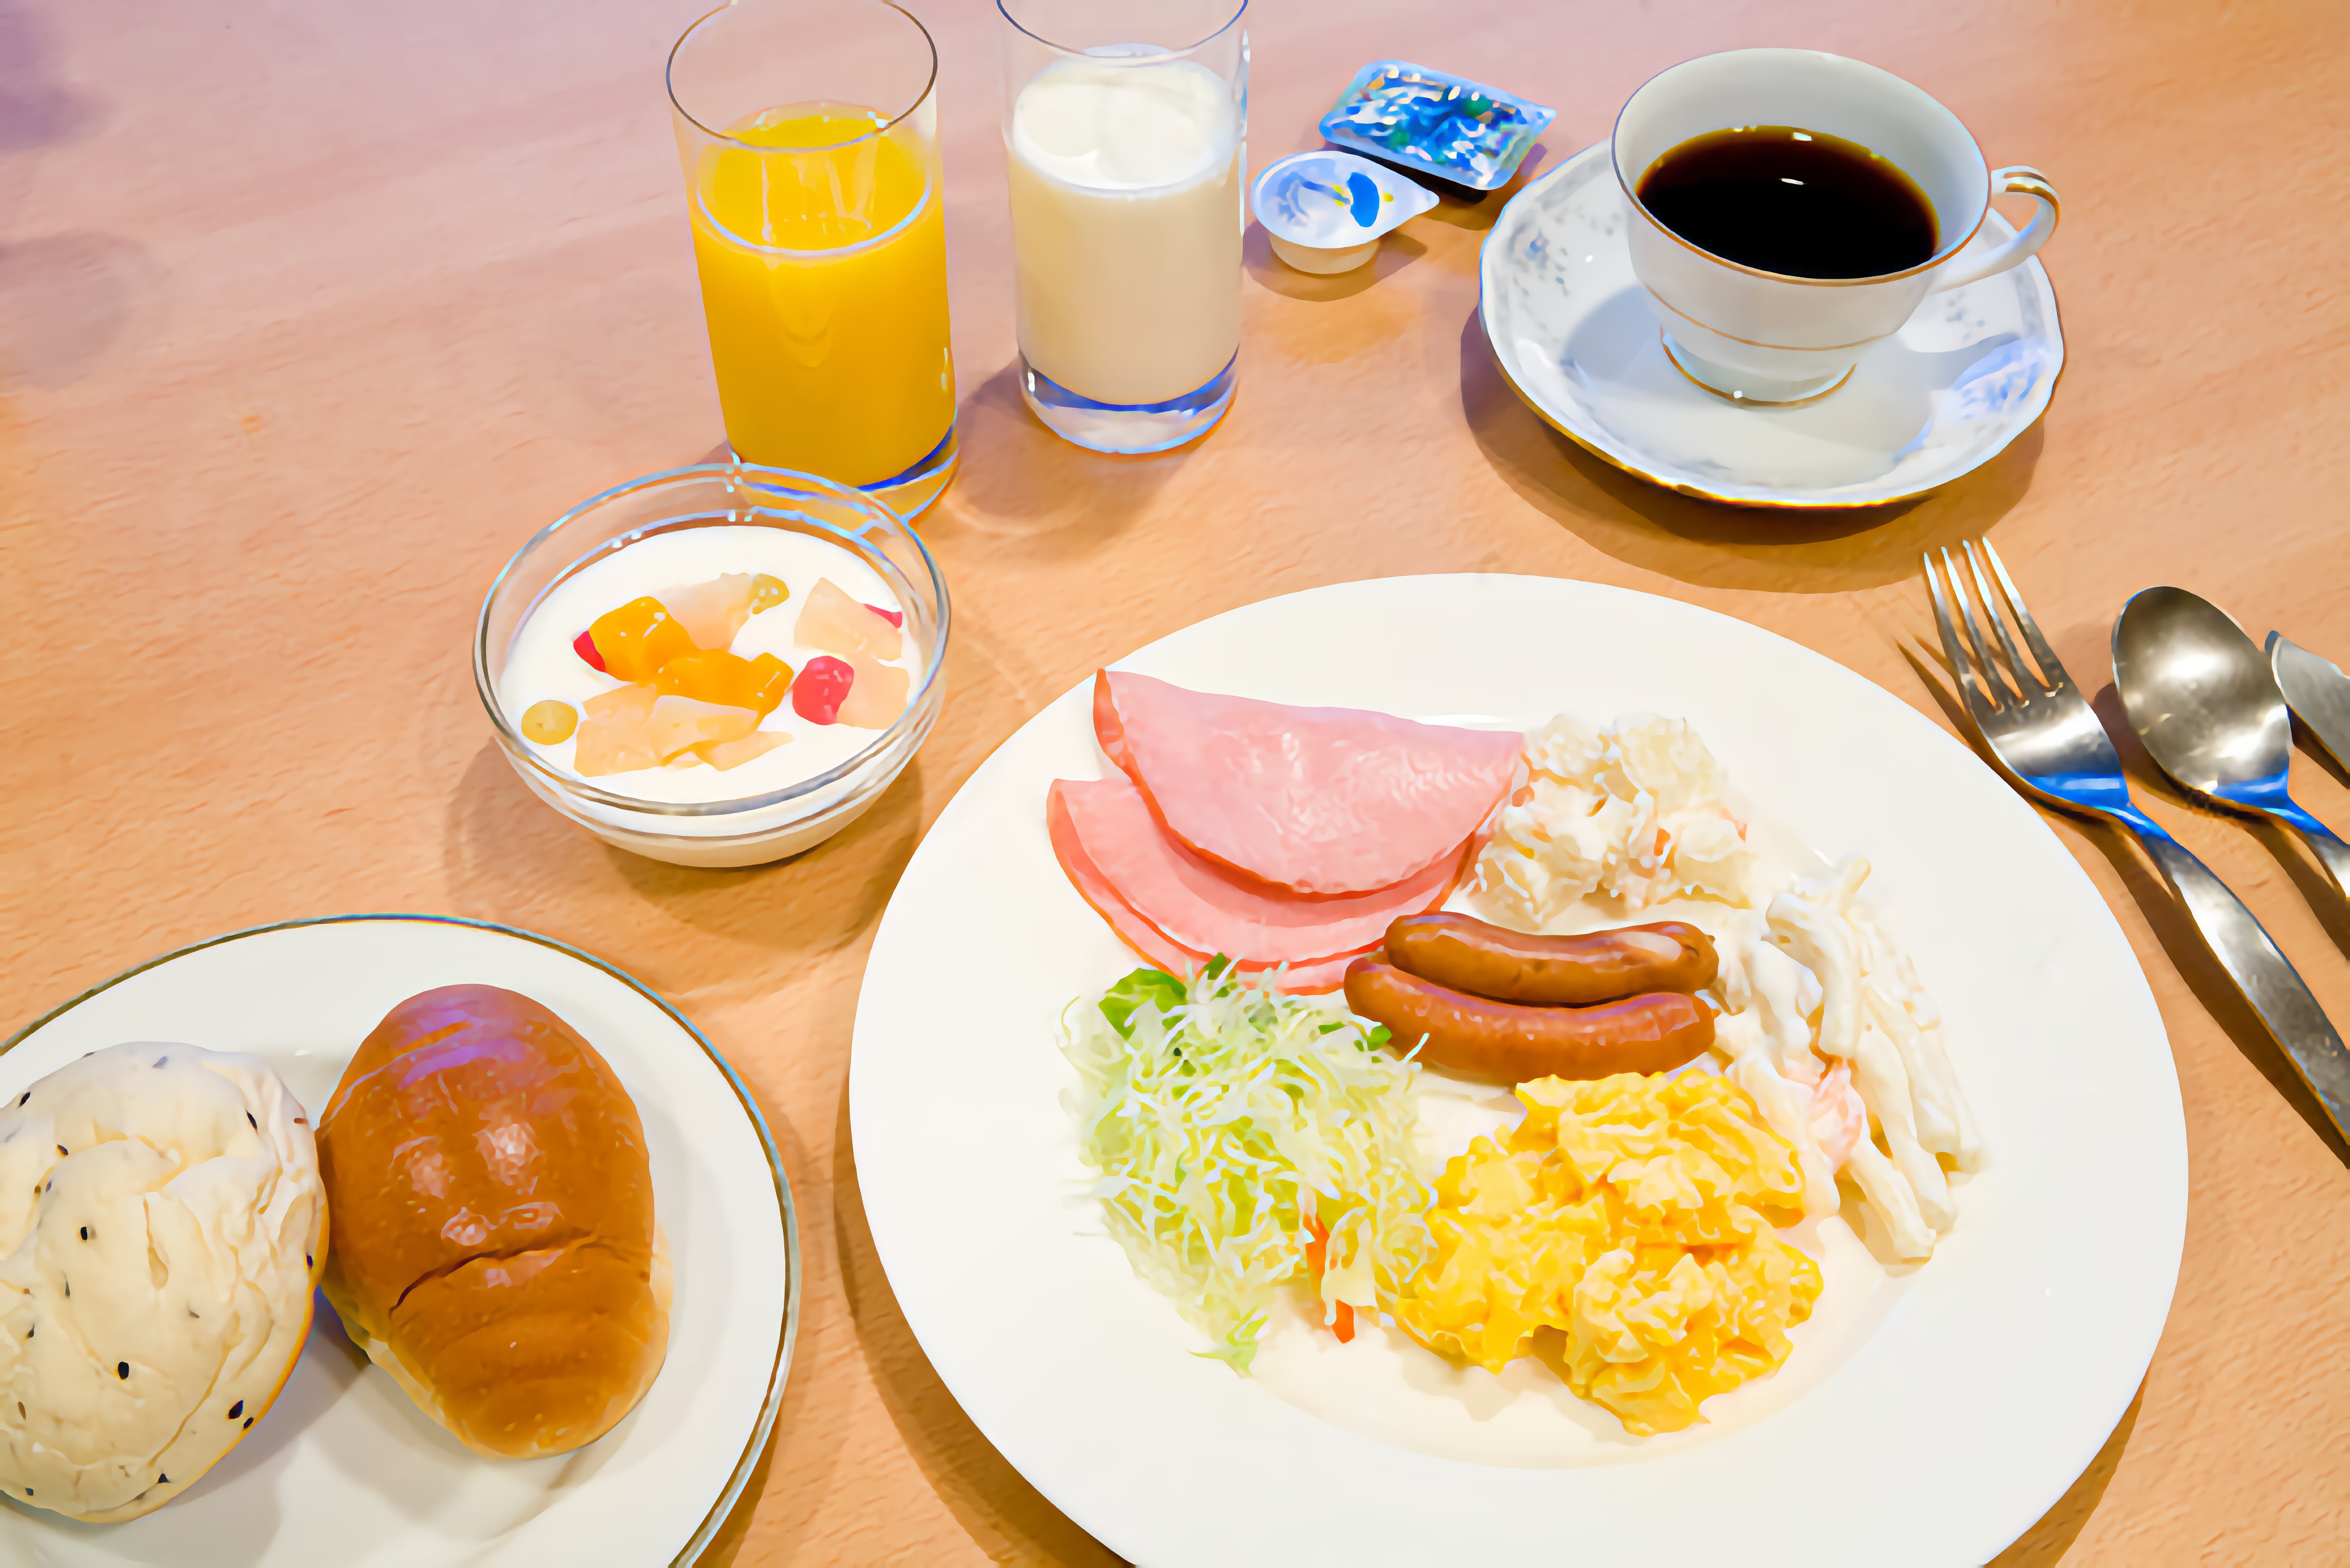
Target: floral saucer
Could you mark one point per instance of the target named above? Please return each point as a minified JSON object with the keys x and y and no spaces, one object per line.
{"x":1578,"y":336}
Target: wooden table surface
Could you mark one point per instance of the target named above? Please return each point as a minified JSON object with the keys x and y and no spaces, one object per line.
{"x":310,"y":314}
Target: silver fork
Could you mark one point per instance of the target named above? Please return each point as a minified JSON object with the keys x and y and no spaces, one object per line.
{"x":2048,"y":740}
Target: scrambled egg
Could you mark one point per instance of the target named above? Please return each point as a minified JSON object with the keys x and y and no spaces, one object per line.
{"x":1623,"y":1233}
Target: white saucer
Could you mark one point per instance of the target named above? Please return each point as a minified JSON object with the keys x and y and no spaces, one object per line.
{"x":1576,"y":335}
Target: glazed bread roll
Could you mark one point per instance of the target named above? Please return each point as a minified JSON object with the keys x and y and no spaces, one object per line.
{"x":493,"y":1245}
{"x":160,"y":1228}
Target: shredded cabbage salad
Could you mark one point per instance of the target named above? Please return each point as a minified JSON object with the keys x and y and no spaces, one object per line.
{"x":1229,"y":1123}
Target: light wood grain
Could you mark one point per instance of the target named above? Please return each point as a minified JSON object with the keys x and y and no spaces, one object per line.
{"x":310,"y":314}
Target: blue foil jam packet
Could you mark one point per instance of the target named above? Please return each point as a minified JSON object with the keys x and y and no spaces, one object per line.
{"x":1457,"y":129}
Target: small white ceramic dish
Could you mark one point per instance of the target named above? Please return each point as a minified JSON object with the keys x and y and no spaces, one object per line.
{"x":1325,"y":212}
{"x":344,"y":1469}
{"x":1953,"y":1405}
{"x":1579,"y":337}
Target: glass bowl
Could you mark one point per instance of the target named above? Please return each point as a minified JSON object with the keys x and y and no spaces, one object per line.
{"x":756,"y":828}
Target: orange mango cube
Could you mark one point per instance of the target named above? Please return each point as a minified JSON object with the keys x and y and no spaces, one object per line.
{"x":636,"y":639}
{"x":727,"y":678}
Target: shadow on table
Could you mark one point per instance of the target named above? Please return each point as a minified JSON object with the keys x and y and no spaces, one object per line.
{"x":513,"y":858}
{"x":1010,"y":1519}
{"x":37,"y":108}
{"x":2317,"y":889}
{"x":2048,"y":1541}
{"x":2181,"y":940}
{"x":1708,"y":544}
{"x":1397,"y":251}
{"x":798,"y":905}
{"x":1018,"y":483}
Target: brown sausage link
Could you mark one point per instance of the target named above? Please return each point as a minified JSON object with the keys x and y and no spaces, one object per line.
{"x":1467,"y":954}
{"x":1512,"y":1044}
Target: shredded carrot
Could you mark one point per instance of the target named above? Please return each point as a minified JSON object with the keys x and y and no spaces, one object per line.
{"x":1342,"y":1322}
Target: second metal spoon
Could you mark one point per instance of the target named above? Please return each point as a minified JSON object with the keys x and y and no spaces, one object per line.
{"x":2199,"y":694}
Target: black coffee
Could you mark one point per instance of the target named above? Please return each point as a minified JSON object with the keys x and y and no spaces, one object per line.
{"x":1800,"y":202}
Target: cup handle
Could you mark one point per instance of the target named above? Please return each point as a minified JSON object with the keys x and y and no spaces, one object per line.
{"x":2015,"y":180}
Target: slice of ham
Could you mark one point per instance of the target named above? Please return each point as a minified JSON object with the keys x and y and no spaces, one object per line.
{"x":1201,"y":907}
{"x":1321,"y":800}
{"x":1321,"y":974}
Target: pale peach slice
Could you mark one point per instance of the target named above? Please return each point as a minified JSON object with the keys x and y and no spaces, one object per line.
{"x":832,"y":622}
{"x":725,"y":755}
{"x":621,"y":702}
{"x":711,"y":612}
{"x":613,"y":745}
{"x":877,"y":696}
{"x":677,"y":723}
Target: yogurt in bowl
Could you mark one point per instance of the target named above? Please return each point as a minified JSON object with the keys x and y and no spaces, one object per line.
{"x":716,"y":665}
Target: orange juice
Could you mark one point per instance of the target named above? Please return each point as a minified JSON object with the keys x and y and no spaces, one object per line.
{"x":824,"y":276}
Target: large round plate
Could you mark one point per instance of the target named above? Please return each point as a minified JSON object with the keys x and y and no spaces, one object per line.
{"x":345,"y":1469}
{"x":1576,"y":335}
{"x":1957,"y":1420}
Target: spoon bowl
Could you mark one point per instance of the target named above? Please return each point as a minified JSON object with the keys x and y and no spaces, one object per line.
{"x":2201,"y":696}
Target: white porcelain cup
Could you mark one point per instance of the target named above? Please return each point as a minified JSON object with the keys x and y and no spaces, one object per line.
{"x":1767,"y":337}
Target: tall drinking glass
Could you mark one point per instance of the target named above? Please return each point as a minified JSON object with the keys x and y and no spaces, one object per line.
{"x":809,"y":134}
{"x":1127,"y":128}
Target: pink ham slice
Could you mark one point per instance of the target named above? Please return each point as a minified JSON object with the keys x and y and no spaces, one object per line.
{"x":1198,"y":905}
{"x":1321,"y":974}
{"x":1321,"y":800}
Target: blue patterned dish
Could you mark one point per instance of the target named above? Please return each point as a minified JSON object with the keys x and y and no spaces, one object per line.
{"x":1457,"y":129}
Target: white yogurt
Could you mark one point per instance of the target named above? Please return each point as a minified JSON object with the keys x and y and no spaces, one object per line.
{"x":543,"y":663}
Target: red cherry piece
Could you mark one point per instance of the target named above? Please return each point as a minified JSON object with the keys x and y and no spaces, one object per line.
{"x":584,"y":645}
{"x":895,"y":618}
{"x":822,"y":686}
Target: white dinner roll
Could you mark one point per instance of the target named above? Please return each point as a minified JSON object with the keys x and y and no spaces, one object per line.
{"x":162,"y":1226}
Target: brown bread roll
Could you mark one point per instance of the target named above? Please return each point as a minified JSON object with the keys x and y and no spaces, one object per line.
{"x":492,"y":1243}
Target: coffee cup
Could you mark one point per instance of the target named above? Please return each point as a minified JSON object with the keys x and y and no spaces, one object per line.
{"x":1768,"y":337}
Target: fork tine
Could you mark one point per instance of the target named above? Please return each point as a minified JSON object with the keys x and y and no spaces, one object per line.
{"x":1994,"y":688}
{"x":2050,"y":665}
{"x":1969,"y":686}
{"x":2026,"y":680}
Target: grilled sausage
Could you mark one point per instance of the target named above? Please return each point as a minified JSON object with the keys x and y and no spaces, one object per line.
{"x":1464,"y":953}
{"x":1512,"y":1044}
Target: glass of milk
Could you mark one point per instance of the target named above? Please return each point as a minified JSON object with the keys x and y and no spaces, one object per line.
{"x":1126,"y":126}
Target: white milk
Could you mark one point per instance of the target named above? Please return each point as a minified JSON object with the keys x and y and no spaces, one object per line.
{"x":1126,"y":199}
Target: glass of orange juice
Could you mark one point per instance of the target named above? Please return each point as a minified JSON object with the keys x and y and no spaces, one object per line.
{"x":809,"y":133}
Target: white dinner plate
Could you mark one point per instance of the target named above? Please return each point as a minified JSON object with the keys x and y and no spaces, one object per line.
{"x":344,"y":1469}
{"x":1576,"y":335}
{"x":1939,"y":1421}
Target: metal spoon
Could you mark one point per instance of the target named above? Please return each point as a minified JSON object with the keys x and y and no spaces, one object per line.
{"x":2199,"y":694}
